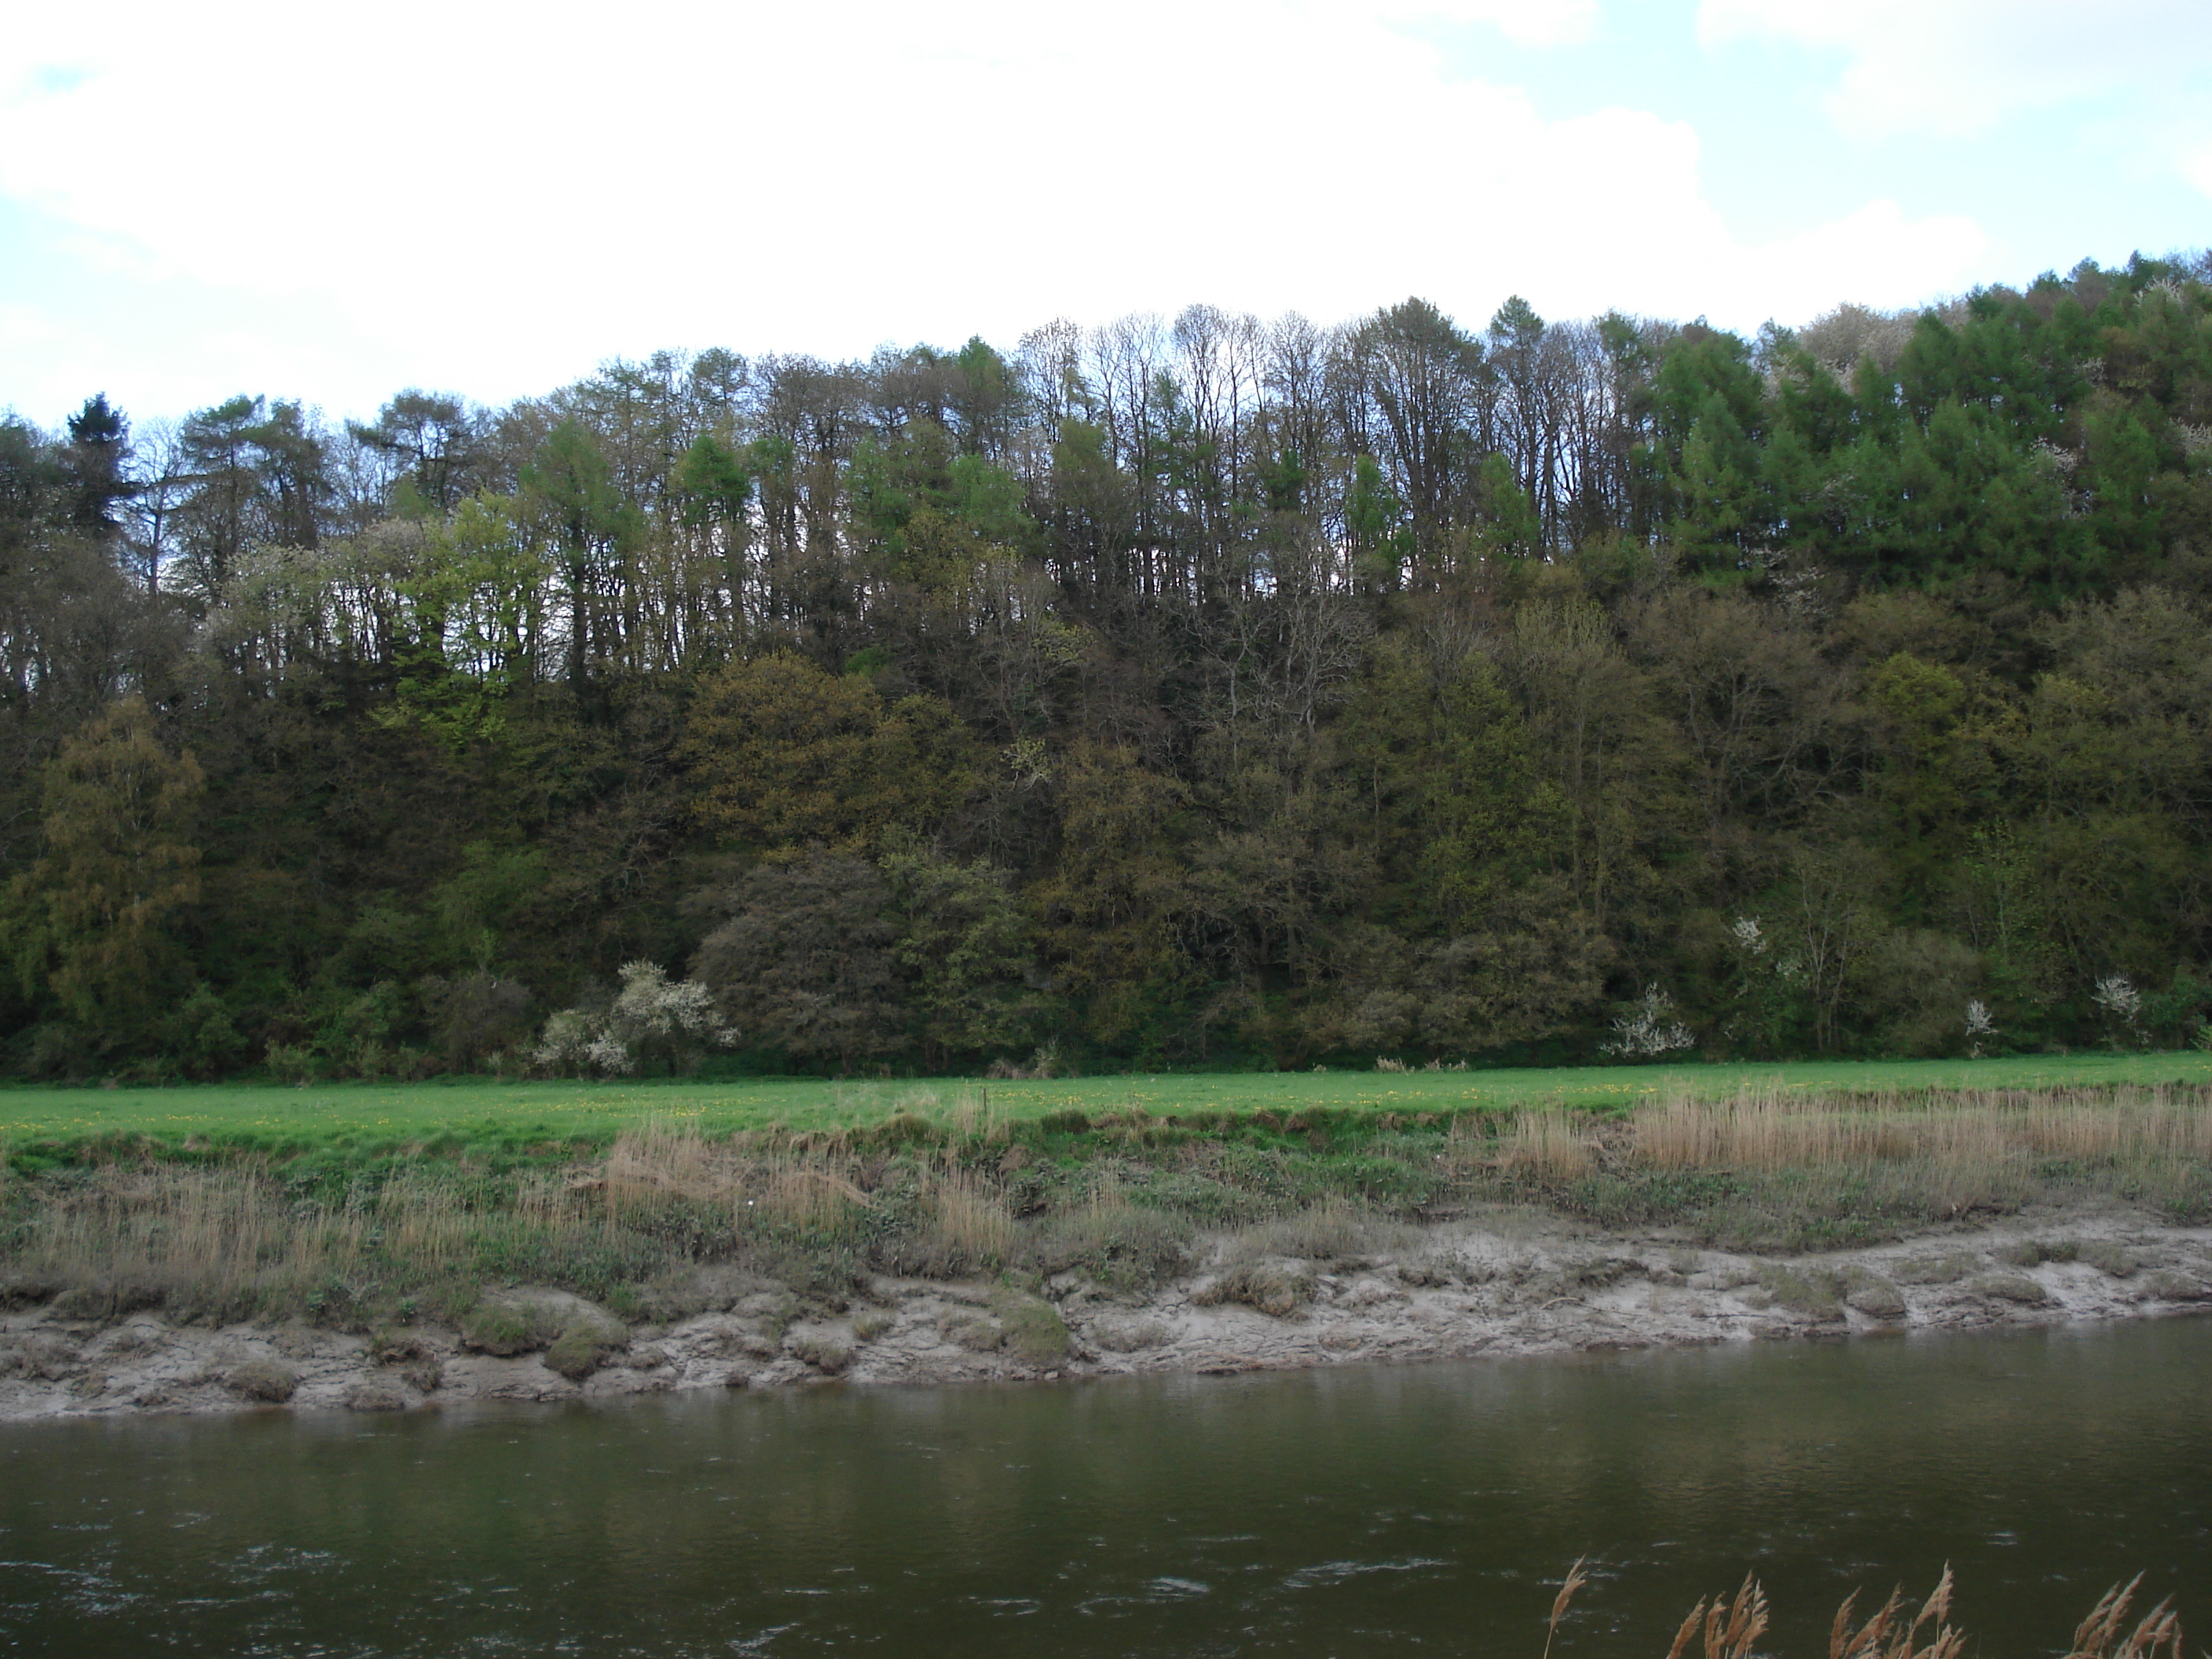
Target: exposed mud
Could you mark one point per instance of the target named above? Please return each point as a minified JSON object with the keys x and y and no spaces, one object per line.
{"x":1505,"y":1283}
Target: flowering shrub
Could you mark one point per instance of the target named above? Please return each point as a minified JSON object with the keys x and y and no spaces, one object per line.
{"x":652,"y":1019}
{"x":1649,"y":1030}
{"x":2121,"y":1004}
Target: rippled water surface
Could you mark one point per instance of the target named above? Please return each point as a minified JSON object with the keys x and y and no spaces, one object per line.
{"x":1348,"y":1512}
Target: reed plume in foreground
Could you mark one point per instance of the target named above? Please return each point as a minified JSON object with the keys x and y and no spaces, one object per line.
{"x":1725,"y":1627}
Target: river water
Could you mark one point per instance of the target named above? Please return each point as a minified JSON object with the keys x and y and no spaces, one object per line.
{"x":1350,"y":1512}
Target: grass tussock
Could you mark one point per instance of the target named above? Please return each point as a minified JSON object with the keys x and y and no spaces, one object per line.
{"x":1332,"y":1231}
{"x":263,"y":1380}
{"x":1034,"y":1329}
{"x":1272,"y":1288}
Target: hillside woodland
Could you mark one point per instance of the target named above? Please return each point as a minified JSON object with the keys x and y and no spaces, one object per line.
{"x":1194,"y":691}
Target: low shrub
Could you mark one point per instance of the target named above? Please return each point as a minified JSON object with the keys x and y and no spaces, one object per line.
{"x":625,"y":1302}
{"x":1597,"y":1272}
{"x":904,"y":1129}
{"x":106,"y":1300}
{"x":42,"y":1357}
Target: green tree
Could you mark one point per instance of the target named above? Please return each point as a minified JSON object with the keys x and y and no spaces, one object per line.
{"x":95,"y":461}
{"x":1110,"y":905}
{"x":804,"y":963}
{"x":715,"y":486}
{"x":783,"y":754}
{"x":569,"y":485}
{"x":963,"y":938}
{"x":436,"y":441}
{"x":94,"y":919}
{"x":1922,"y":768}
{"x":1490,"y":821}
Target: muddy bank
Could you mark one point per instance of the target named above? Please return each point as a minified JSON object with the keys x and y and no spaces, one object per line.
{"x":1503,"y":1283}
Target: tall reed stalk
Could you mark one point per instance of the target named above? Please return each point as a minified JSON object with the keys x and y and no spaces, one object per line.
{"x":1730,"y":1627}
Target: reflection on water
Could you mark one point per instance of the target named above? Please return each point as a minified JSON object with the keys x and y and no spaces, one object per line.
{"x":1348,"y":1512}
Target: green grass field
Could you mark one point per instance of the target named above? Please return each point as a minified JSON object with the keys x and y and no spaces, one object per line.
{"x":362,"y":1115}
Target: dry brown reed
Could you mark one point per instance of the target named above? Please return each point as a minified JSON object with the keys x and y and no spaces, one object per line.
{"x":1728,"y":1627}
{"x":1575,"y":1580}
{"x":1549,"y":1145}
{"x":2099,"y":1635}
{"x":1888,"y":1635}
{"x":972,"y":1219}
{"x":1731,"y":1627}
{"x":230,"y":1238}
{"x":953,"y":1216}
{"x":148,"y":1228}
{"x":1775,"y":1131}
{"x":750,"y":1181}
{"x":973,"y":1115}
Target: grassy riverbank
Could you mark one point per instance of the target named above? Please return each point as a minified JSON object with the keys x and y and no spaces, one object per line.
{"x":955,"y":1182}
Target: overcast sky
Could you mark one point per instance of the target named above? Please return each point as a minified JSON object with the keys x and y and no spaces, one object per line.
{"x":331,"y":203}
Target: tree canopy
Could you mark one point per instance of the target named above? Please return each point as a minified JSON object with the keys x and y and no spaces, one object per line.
{"x":1201,"y":691}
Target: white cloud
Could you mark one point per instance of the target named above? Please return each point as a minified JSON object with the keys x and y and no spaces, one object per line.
{"x":1955,"y":67}
{"x":492,"y":198}
{"x":1525,"y":22}
{"x":2196,"y":167}
{"x":1875,"y":257}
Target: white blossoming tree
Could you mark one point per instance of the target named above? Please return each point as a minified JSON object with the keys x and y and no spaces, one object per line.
{"x":1649,"y":1029}
{"x":1981,"y":1027}
{"x":652,"y":1022}
{"x":2120,"y":1002}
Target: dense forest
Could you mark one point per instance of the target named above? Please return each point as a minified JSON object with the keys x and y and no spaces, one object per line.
{"x":1203,"y":691}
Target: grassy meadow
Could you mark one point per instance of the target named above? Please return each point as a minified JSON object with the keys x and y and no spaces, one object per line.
{"x":514,"y":1116}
